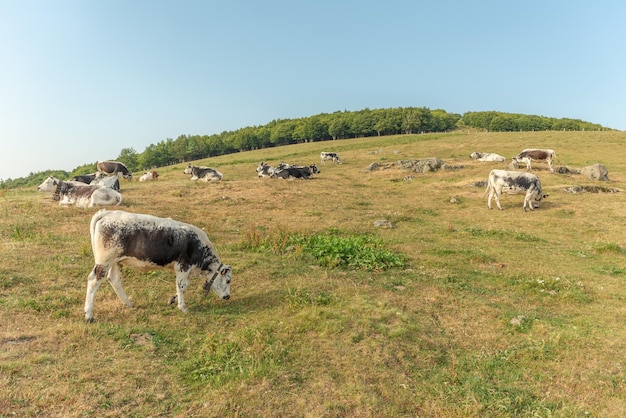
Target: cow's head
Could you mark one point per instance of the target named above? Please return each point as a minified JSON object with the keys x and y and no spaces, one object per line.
{"x":219,"y":281}
{"x":48,"y":185}
{"x":187,"y":170}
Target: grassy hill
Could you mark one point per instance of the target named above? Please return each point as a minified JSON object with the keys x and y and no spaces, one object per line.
{"x":493,"y":313}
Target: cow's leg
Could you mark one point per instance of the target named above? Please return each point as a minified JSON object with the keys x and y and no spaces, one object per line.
{"x":551,"y":166}
{"x":489,"y":198}
{"x":496,"y":196}
{"x":94,"y":280}
{"x":182,"y":282}
{"x":115,"y":278}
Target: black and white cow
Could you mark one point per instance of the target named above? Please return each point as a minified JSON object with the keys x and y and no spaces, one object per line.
{"x":292,"y":171}
{"x":514,"y":182}
{"x":80,"y":194}
{"x":84,"y":178}
{"x":527,"y":155}
{"x":330,"y":156}
{"x":486,"y":157}
{"x":113,"y":168}
{"x":101,"y":179}
{"x":203,"y":173}
{"x":265,"y":170}
{"x":148,"y":242}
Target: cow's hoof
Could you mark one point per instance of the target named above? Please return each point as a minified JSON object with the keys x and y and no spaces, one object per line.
{"x":89,"y":320}
{"x":173,"y":299}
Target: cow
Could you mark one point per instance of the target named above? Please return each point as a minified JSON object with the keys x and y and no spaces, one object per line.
{"x":331,"y":156}
{"x":203,"y":173}
{"x":149,"y":242}
{"x":149,"y":175}
{"x":113,"y":168}
{"x":265,"y":170}
{"x":514,"y":182}
{"x":112,"y":182}
{"x":80,"y":194}
{"x":296,"y":172}
{"x":486,"y":157}
{"x":50,"y":184}
{"x":86,"y":196}
{"x":84,"y":178}
{"x":527,"y":155}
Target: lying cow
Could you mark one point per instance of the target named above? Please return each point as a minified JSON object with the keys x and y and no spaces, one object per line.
{"x":86,"y":196}
{"x":149,"y":175}
{"x":265,"y":170}
{"x":113,"y":168}
{"x":203,"y":173}
{"x":144,"y":241}
{"x":101,"y":179}
{"x":330,"y":156}
{"x":50,"y":184}
{"x":84,"y":178}
{"x":514,"y":182}
{"x":486,"y":157}
{"x":80,"y":194}
{"x":527,"y":155}
{"x":296,"y":172}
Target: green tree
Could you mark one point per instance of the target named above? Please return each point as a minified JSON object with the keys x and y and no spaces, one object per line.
{"x":130,"y":158}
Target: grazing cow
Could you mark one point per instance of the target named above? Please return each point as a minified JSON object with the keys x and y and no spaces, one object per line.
{"x":486,"y":157}
{"x":514,"y":182}
{"x":149,"y":175}
{"x":148,"y":242}
{"x":113,"y":167}
{"x":265,"y":170}
{"x":296,"y":172}
{"x":85,"y":178}
{"x":527,"y":155}
{"x":112,"y":182}
{"x":203,"y":173}
{"x":331,"y":156}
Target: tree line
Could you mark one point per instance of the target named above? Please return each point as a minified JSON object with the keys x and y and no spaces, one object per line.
{"x":321,"y":127}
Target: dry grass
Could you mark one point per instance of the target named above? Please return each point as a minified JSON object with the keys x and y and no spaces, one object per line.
{"x":497,"y":313}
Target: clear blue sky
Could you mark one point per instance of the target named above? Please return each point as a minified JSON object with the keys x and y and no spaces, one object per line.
{"x":82,"y":79}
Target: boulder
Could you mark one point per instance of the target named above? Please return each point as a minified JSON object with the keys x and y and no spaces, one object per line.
{"x":595,"y":172}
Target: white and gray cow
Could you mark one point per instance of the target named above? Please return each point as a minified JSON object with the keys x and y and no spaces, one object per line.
{"x":149,"y":242}
{"x":265,"y":170}
{"x":80,"y":194}
{"x":530,"y":154}
{"x":514,"y":182}
{"x":101,"y":179}
{"x":486,"y":157}
{"x":330,"y":156}
{"x":203,"y":173}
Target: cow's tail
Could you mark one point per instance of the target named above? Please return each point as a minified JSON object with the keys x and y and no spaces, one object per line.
{"x":490,"y":183}
{"x":92,"y":225}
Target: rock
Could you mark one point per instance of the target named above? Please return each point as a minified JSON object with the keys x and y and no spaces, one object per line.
{"x":383,"y":223}
{"x":596,"y":172}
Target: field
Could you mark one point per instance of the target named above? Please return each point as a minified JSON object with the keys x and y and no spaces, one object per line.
{"x":485,"y":312}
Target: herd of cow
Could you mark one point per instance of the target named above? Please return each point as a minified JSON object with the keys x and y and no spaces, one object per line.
{"x":145,"y":241}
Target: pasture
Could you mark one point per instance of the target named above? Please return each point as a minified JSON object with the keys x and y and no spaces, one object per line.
{"x":486,"y":313}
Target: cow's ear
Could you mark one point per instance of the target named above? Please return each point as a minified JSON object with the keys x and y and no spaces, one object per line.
{"x":225,"y":270}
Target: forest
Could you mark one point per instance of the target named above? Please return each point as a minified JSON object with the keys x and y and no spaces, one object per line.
{"x":321,"y":127}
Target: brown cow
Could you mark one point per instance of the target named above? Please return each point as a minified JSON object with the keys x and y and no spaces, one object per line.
{"x":113,"y":167}
{"x":527,"y":155}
